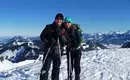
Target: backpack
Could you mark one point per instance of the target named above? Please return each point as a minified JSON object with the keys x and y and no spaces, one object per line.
{"x":77,"y":27}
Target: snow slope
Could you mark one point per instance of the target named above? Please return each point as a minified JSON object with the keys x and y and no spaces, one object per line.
{"x":7,"y":65}
{"x":107,"y":64}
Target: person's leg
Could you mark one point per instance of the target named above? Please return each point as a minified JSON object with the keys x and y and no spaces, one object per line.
{"x":56,"y":68}
{"x":45,"y":68}
{"x":56,"y":64}
{"x":77,"y":64}
{"x":70,"y":62}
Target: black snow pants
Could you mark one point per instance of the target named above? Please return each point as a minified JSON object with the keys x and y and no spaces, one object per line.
{"x":55,"y":57}
{"x":74,"y":58}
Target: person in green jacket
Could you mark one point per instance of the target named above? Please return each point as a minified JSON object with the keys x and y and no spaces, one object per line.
{"x":73,"y":48}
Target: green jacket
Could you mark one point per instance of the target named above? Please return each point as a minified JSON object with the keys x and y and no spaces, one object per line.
{"x":74,"y":37}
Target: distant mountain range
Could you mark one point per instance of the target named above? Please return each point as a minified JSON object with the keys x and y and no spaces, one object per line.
{"x":112,"y":37}
{"x":117,"y":38}
{"x":21,"y":48}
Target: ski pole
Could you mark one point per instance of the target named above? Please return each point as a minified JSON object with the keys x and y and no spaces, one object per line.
{"x":70,"y":67}
{"x":42,"y":72}
{"x":45,"y":58}
{"x":59,"y":48}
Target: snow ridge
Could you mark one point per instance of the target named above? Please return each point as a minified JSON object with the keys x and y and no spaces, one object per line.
{"x":107,"y":64}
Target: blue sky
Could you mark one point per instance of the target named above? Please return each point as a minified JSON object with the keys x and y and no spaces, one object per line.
{"x":29,"y":17}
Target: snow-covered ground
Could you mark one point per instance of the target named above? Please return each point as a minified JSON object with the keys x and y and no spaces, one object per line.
{"x":111,"y":46}
{"x":107,"y":64}
{"x":7,"y":65}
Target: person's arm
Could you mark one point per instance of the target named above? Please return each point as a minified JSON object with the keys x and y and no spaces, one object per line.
{"x":46,"y":36}
{"x":43,"y":34}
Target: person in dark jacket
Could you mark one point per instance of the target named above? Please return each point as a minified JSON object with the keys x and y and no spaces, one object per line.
{"x":53,"y":37}
{"x":73,"y":49}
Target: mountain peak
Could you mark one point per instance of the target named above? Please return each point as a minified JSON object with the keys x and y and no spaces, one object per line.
{"x":112,"y":37}
{"x":128,"y":32}
{"x":17,"y":38}
{"x":115,"y":32}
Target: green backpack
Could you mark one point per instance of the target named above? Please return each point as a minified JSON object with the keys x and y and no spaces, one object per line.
{"x":80,"y":30}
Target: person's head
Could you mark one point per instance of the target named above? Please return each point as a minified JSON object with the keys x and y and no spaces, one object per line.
{"x":68,"y":22}
{"x":59,"y":19}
